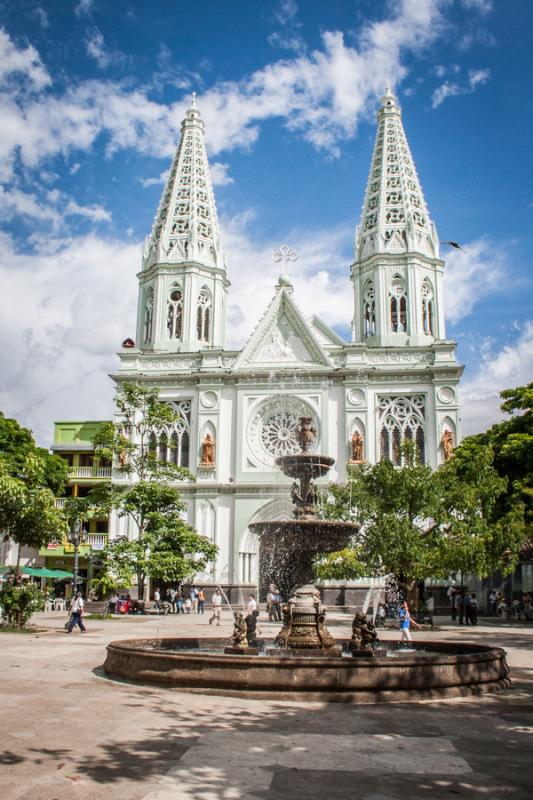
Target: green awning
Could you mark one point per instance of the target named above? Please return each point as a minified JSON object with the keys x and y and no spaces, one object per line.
{"x":39,"y":572}
{"x":59,"y":573}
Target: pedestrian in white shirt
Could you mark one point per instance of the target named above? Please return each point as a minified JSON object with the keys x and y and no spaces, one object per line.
{"x":76,"y":613}
{"x":216,"y":600}
{"x":251,"y":606}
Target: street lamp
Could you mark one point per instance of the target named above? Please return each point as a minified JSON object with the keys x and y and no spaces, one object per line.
{"x":75,"y":537}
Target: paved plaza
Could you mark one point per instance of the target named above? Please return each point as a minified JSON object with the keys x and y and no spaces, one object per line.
{"x":68,"y":732}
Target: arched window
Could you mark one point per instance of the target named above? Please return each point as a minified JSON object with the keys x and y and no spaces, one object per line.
{"x":369,"y":297}
{"x":428,"y":316}
{"x":175,"y":314}
{"x":148,"y":315}
{"x":398,"y":306}
{"x":401,"y":420}
{"x":203,"y":315}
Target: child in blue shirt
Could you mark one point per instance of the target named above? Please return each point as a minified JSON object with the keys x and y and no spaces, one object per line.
{"x":406,"y":621}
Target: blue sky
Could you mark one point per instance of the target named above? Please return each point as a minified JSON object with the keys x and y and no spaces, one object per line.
{"x":91,"y":97}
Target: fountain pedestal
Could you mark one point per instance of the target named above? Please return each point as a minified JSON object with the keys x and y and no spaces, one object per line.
{"x":304,"y":623}
{"x":291,"y":546}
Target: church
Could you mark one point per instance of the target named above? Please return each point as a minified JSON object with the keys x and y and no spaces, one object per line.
{"x":395,"y":380}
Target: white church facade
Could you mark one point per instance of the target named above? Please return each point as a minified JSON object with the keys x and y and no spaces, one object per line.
{"x":396,"y":380}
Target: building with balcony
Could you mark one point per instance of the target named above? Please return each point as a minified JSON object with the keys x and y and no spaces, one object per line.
{"x":73,"y":441}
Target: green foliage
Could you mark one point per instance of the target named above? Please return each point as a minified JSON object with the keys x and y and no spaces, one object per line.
{"x":169,"y":550}
{"x":416,"y":523}
{"x":166,"y":543}
{"x":128,"y":443}
{"x":20,"y":601}
{"x":106,"y":585}
{"x":27,"y":506}
{"x":17,"y":443}
{"x":512,"y":444}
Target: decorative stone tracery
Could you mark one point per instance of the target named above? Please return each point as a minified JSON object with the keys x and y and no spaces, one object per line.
{"x":401,"y":420}
{"x":272,"y":429}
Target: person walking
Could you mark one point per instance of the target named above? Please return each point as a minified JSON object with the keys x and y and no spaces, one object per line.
{"x":172,"y":599}
{"x":201,"y":601}
{"x":460,"y":604}
{"x":406,"y":621}
{"x":76,"y":613}
{"x":179,"y":602}
{"x":493,"y":602}
{"x":270,"y":603}
{"x":194,"y":599}
{"x":251,"y":605}
{"x":473,"y":608}
{"x":467,"y":606}
{"x":430,"y":608}
{"x":452,"y":597}
{"x":216,"y":601}
{"x":157,"y":599}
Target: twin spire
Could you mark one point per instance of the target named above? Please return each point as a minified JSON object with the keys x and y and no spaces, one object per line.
{"x":186,"y":226}
{"x":395,"y":217}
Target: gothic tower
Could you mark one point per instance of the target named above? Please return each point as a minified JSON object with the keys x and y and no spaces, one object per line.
{"x":183,"y":283}
{"x":397,"y":273}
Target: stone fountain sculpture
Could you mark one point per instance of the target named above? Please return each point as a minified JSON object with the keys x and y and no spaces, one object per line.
{"x":292,"y":544}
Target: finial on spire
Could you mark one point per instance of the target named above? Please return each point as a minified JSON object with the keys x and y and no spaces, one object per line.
{"x":193,"y":102}
{"x":284,"y":254}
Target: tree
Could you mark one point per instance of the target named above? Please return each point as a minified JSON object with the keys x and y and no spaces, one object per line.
{"x":167,"y":548}
{"x":17,"y":443}
{"x":415,"y":523}
{"x":512,"y":444}
{"x":27,"y":506}
{"x":20,"y":601}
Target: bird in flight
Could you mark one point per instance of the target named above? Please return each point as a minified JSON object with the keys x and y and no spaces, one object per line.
{"x":456,"y":245}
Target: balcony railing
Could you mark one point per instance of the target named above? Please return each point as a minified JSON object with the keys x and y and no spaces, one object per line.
{"x":97,"y":540}
{"x":90,"y":472}
{"x":60,"y":502}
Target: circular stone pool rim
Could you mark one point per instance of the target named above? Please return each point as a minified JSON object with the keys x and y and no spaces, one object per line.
{"x":450,"y":670}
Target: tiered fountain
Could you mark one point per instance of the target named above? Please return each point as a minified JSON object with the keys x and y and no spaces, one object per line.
{"x":329,"y":670}
{"x":292,"y":544}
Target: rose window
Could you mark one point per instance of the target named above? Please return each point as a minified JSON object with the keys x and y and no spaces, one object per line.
{"x":278,"y":434}
{"x":272,"y":429}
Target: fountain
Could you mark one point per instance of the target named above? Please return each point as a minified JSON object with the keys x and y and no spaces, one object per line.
{"x":304,"y":660}
{"x":292,"y":544}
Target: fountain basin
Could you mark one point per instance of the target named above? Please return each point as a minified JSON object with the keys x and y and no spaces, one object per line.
{"x":308,"y":464}
{"x":444,"y":669}
{"x":297,"y":535}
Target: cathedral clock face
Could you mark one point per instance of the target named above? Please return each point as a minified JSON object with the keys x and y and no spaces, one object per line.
{"x":272,"y":428}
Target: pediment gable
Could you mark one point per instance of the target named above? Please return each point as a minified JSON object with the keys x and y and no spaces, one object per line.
{"x":283,"y":337}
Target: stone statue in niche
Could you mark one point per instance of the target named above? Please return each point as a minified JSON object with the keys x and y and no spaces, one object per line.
{"x":446,"y":443}
{"x":208,"y":451}
{"x":357,"y":444}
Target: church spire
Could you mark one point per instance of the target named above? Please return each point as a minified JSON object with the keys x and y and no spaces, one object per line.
{"x":186,"y":227}
{"x":395,"y":218}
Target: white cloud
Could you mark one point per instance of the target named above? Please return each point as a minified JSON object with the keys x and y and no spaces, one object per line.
{"x":74,"y":168}
{"x":84,"y":8}
{"x":103,"y":55}
{"x":16,"y":203}
{"x":162,"y":177}
{"x":286,"y":11}
{"x":463,"y":284}
{"x":498,"y":369}
{"x":94,"y":212}
{"x":24,"y":61}
{"x":476,"y":77}
{"x":321,"y":97}
{"x":63,"y":317}
{"x":220,"y":175}
{"x":320,"y":276}
{"x":483,"y":6}
{"x":42,"y":16}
